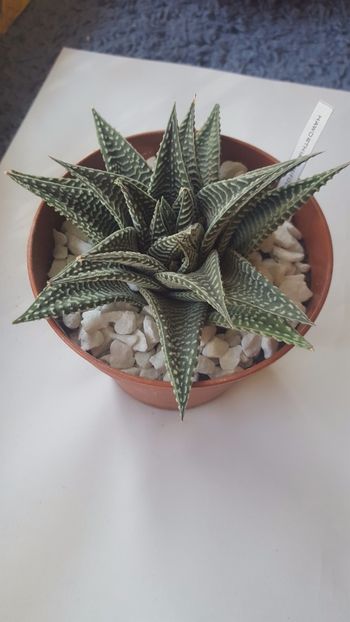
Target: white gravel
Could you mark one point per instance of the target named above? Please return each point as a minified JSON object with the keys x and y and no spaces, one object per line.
{"x":126,"y":337}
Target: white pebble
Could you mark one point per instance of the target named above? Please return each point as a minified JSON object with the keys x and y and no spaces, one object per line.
{"x":282,"y":237}
{"x":60,"y":238}
{"x":147,"y":309}
{"x":208,"y":332}
{"x":92,"y":320}
{"x":151,"y":374}
{"x":158,"y":360}
{"x":132,"y":371}
{"x":255,"y":258}
{"x":69,"y":228}
{"x":125,"y":324}
{"x":215,"y":348}
{"x":282,"y":254}
{"x":231,"y":358}
{"x":152,"y":162}
{"x":302,"y":268}
{"x":151,"y":331}
{"x":251,"y":344}
{"x":166,"y":377}
{"x":269,"y":346}
{"x":60,"y":252}
{"x":56,"y":267}
{"x":295,"y":287}
{"x":77,"y":246}
{"x":229,"y":169}
{"x":233,"y":337}
{"x":72,"y":320}
{"x":293,"y":230}
{"x":246,"y":361}
{"x":90,"y":340}
{"x":266,"y":245}
{"x":106,"y":358}
{"x":122,"y":356}
{"x":264,"y":270}
{"x":130,"y":340}
{"x":205,"y":365}
{"x":142,"y":359}
{"x":70,"y":258}
{"x":141,"y":344}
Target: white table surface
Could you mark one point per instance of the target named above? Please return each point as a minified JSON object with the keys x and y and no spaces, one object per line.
{"x":115,"y":511}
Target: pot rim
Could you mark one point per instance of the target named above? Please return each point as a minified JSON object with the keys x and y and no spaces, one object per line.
{"x":161,"y":384}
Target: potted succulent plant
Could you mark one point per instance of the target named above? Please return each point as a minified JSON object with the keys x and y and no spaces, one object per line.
{"x":177,"y":241}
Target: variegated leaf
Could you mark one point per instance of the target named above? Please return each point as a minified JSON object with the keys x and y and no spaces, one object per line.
{"x":188,"y":147}
{"x":179,"y":251}
{"x":140,"y":206}
{"x":102,"y":184}
{"x":119,"y":156}
{"x":163,"y":220}
{"x":208,"y":147}
{"x":71,"y":199}
{"x":170,"y":172}
{"x":57,"y":299}
{"x":275,"y":208}
{"x":187,"y":210}
{"x":179,"y":325}
{"x":224,"y":199}
{"x":205,"y":283}
{"x":139,"y":261}
{"x":250,"y":319}
{"x":244,"y":284}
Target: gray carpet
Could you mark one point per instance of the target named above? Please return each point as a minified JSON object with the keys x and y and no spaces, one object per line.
{"x":297,"y":40}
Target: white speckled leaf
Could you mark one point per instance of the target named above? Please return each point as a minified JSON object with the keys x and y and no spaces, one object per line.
{"x":163,"y":220}
{"x":208,"y":147}
{"x":221,"y":201}
{"x":119,"y":156}
{"x":245,"y":317}
{"x":244,"y":284}
{"x":70,"y":198}
{"x":179,"y":324}
{"x":277,"y":206}
{"x":205,"y":283}
{"x":61,"y":298}
{"x":181,"y":248}
{"x":170,"y":172}
{"x":188,"y":147}
{"x":186,"y":215}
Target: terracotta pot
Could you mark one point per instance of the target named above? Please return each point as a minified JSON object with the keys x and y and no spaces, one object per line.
{"x":309,"y":219}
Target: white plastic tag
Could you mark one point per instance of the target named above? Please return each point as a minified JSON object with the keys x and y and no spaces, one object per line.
{"x":308,"y":139}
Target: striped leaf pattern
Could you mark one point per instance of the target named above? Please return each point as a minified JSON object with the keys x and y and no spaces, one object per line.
{"x":170,"y":172}
{"x":208,"y":148}
{"x":72,"y":200}
{"x":119,"y":156}
{"x":177,"y":236}
{"x":61,"y":298}
{"x":187,"y":135}
{"x":205,"y":284}
{"x":179,"y":324}
{"x":275,"y":208}
{"x":244,"y":317}
{"x":244,"y":284}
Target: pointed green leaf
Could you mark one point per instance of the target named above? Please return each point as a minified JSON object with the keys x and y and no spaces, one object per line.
{"x":163,"y":220}
{"x":244,"y":284}
{"x":102,"y":184}
{"x":245,"y":317}
{"x":222,"y":201}
{"x":187,"y":210}
{"x":73,"y":200}
{"x":170,"y":172}
{"x":188,"y":147}
{"x":179,"y":325}
{"x":205,"y":283}
{"x":119,"y":156}
{"x":57,"y":299}
{"x":208,"y":147}
{"x":139,"y":261}
{"x":140,"y":206}
{"x":181,"y":248}
{"x":277,"y":206}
